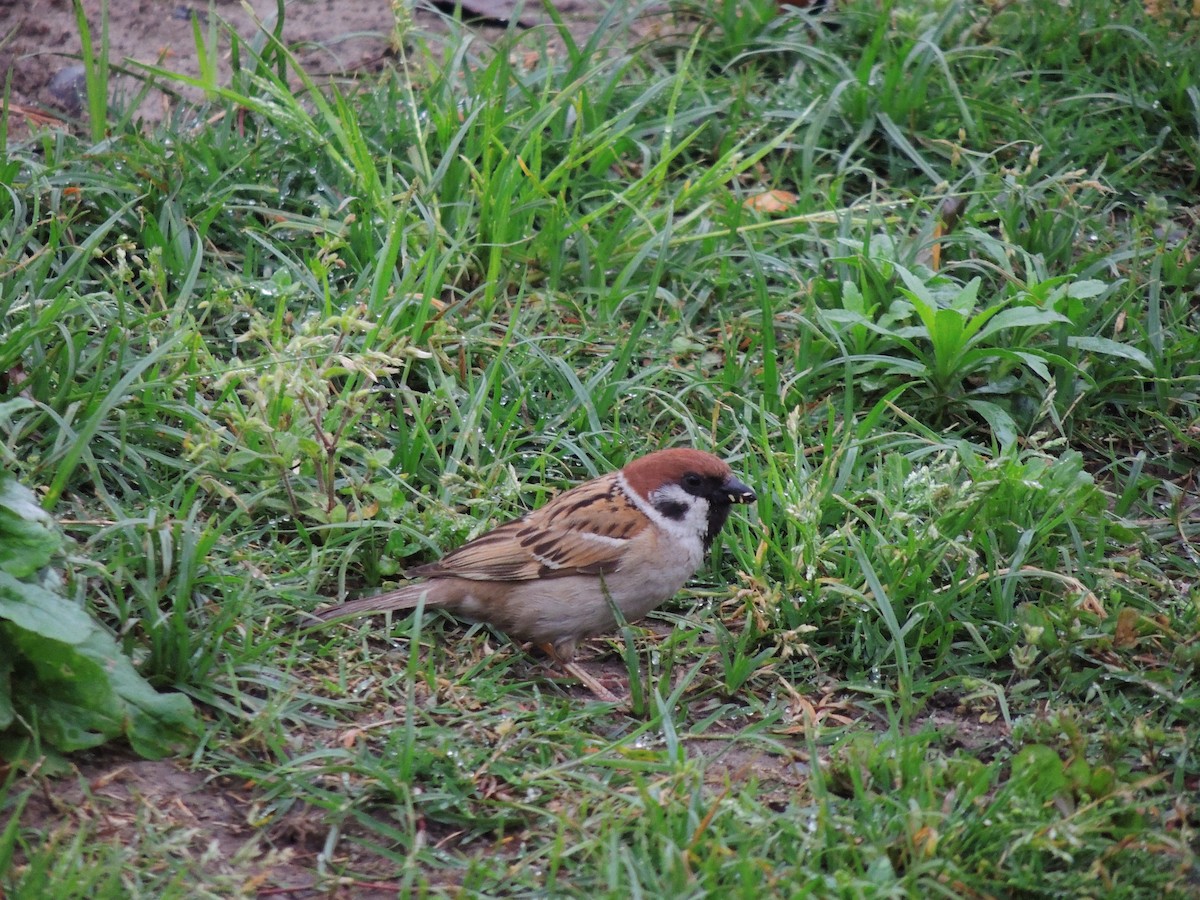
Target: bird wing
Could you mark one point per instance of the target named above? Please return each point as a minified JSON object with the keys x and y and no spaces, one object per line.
{"x":584,"y":531}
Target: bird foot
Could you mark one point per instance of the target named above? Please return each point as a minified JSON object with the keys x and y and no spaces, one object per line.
{"x":593,"y":684}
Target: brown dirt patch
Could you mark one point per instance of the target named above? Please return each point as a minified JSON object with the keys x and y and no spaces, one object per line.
{"x":40,"y":43}
{"x":118,"y":798}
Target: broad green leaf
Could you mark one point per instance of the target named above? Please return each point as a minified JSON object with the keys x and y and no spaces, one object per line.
{"x":948,"y":332}
{"x":1083,"y":290}
{"x":32,"y":608}
{"x":967,"y":298}
{"x":845,"y":317}
{"x":938,"y":291}
{"x":925,"y":310}
{"x":25,"y":546}
{"x":1022,"y":317}
{"x":1001,"y":423}
{"x":982,"y":357}
{"x":948,"y":337}
{"x":74,"y":683}
{"x":22,"y":501}
{"x":1035,"y":363}
{"x":66,"y":695}
{"x":1107,"y":347}
{"x":890,"y":364}
{"x":28,"y":535}
{"x":158,"y":724}
{"x":852,"y":299}
{"x":977,"y":322}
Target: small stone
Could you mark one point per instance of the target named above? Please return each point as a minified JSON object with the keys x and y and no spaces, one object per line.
{"x":68,"y":89}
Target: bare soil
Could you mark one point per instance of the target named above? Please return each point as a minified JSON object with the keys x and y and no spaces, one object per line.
{"x":116,"y":795}
{"x":40,"y":48}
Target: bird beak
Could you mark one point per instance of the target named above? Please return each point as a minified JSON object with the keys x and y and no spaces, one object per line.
{"x":737,"y":492}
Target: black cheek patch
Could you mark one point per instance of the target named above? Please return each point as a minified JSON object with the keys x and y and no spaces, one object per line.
{"x":672,"y":509}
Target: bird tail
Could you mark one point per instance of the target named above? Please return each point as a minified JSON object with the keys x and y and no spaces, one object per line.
{"x":400,"y":599}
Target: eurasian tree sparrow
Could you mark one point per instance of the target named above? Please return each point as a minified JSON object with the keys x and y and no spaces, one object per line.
{"x":629,"y":538}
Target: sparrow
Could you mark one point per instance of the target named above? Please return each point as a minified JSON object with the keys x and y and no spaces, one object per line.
{"x":629,"y":540}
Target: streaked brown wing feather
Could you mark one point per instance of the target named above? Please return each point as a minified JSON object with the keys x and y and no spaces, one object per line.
{"x":582,"y":532}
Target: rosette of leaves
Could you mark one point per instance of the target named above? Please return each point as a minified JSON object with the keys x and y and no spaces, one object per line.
{"x":64,"y":683}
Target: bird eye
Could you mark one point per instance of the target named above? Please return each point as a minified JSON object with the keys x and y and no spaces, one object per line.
{"x":692,"y":481}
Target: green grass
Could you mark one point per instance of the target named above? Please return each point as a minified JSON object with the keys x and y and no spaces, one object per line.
{"x":275,"y":358}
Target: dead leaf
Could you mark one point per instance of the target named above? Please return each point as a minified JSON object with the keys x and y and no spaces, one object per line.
{"x":925,"y":841}
{"x":773,"y":201}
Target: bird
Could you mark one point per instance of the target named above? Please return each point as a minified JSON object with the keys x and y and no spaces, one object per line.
{"x":629,"y":539}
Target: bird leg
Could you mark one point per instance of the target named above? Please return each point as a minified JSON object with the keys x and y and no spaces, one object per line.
{"x":589,"y":681}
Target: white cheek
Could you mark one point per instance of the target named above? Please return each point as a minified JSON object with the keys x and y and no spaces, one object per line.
{"x":693,"y":523}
